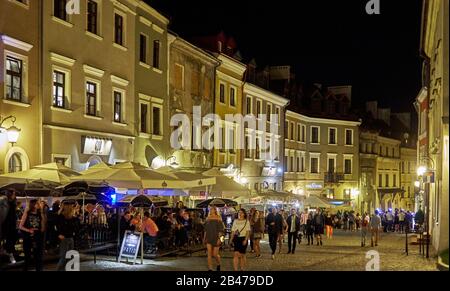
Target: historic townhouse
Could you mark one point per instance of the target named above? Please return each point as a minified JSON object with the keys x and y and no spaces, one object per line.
{"x":20,"y":133}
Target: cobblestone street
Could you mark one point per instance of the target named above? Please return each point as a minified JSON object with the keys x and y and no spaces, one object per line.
{"x":343,"y":252}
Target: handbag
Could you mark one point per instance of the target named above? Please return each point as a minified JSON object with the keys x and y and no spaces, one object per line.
{"x":236,"y":233}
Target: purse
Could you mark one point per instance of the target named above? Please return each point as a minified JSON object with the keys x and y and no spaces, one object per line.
{"x":236,"y":234}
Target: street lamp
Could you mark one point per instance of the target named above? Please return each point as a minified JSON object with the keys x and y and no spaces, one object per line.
{"x":13,"y":131}
{"x":421,"y":171}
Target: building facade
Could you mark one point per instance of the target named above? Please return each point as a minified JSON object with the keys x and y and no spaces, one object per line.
{"x":192,"y":78}
{"x":262,"y":158}
{"x":432,"y":106}
{"x":20,"y":85}
{"x":322,"y":157}
{"x":408,"y":176}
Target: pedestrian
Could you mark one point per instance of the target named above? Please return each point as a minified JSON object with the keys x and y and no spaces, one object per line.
{"x":258,"y":231}
{"x":345,"y":220}
{"x":33,"y":225}
{"x":319,"y":225}
{"x":273,"y":229}
{"x":351,"y":221}
{"x":66,"y":228}
{"x":401,"y":221}
{"x":126,"y":223}
{"x":375,"y":225}
{"x":213,"y":237}
{"x":280,"y":216}
{"x":251,"y":219}
{"x":364,"y":228}
{"x":329,"y":225}
{"x":390,"y":221}
{"x":358,"y":221}
{"x":396,"y":221}
{"x":241,"y":235}
{"x":310,"y":229}
{"x":304,"y":220}
{"x":8,"y":223}
{"x":150,"y":230}
{"x":293,"y":227}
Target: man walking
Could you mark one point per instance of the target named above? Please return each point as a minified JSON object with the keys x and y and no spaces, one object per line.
{"x":375,"y":225}
{"x":274,"y":228}
{"x":293,"y":222}
{"x":304,"y":220}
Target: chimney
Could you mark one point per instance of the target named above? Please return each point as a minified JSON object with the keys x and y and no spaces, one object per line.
{"x":372,"y":107}
{"x":385,"y":115}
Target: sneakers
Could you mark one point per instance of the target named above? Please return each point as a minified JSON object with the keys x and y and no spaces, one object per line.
{"x":273,"y":257}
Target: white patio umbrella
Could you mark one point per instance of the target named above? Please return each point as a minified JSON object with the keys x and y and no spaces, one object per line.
{"x":315,"y":201}
{"x":224,"y":186}
{"x":199,"y":180}
{"x":96,"y":168}
{"x":130,"y":175}
{"x":52,"y":172}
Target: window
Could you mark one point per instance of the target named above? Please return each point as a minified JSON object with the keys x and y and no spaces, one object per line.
{"x":278,"y":113}
{"x":303,"y":138}
{"x":143,"y":49}
{"x":258,"y":148}
{"x":91,"y":98}
{"x":231,"y":140}
{"x":156,"y":48}
{"x":179,"y":77}
{"x":222,"y":93}
{"x":387,"y":180}
{"x":348,"y":137}
{"x":315,"y":134}
{"x":291,"y":164}
{"x":92,"y":16}
{"x":59,"y":9}
{"x":59,"y":85}
{"x":285,"y":164}
{"x":314,"y":165}
{"x":277,"y":150}
{"x":380,"y":180}
{"x":331,"y":164}
{"x":269,"y":111}
{"x":14,"y":79}
{"x":156,"y":120}
{"x":117,"y":106}
{"x":222,"y":136}
{"x":249,"y":105}
{"x":393,"y":152}
{"x":232,"y":96}
{"x":332,"y":135}
{"x":298,"y":163}
{"x":118,"y":29}
{"x":347,"y":166}
{"x":248,"y":154}
{"x":65,"y":160}
{"x":258,"y":108}
{"x":286,"y":129}
{"x":403,"y":167}
{"x":144,"y":117}
{"x":59,"y":160}
{"x":15,"y":163}
{"x":299,"y":132}
{"x":194,"y":83}
{"x":302,"y":163}
{"x":207,"y":88}
{"x":292,"y":131}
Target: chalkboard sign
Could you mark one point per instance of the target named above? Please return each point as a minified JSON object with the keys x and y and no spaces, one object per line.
{"x":130,"y":245}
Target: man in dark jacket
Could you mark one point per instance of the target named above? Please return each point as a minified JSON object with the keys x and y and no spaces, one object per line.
{"x":274,"y":224}
{"x":293,"y":222}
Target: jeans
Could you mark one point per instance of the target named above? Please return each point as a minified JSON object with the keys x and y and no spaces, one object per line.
{"x":363,"y":235}
{"x":149,"y":243}
{"x":35,"y":242}
{"x":273,"y":238}
{"x":65,"y":245}
{"x":292,"y":236}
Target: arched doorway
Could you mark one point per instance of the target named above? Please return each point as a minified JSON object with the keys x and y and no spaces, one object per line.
{"x":16,"y":160}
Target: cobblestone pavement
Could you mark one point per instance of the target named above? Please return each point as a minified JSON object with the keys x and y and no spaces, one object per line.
{"x":341,"y":253}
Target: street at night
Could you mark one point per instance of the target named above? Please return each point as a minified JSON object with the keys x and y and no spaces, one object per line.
{"x":174,"y":135}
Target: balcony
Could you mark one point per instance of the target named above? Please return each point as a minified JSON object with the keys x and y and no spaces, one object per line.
{"x":333,"y":177}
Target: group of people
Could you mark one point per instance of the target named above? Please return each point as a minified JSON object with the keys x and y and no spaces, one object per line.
{"x":37,"y":224}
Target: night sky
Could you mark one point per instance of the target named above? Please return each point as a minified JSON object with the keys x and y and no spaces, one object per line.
{"x":333,"y":42}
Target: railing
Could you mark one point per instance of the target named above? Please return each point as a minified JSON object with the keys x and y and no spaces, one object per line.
{"x":333,"y":177}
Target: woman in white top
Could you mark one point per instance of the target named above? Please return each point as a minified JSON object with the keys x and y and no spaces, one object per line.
{"x":241,"y":235}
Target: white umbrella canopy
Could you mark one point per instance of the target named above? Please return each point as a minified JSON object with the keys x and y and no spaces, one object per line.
{"x":52,"y":172}
{"x":315,"y":201}
{"x":197,"y":179}
{"x":96,"y":168}
{"x":224,"y":186}
{"x":134,"y":176}
{"x":275,"y":195}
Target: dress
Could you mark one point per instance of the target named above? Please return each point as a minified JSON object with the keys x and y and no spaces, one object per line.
{"x":213,"y":229}
{"x":240,"y":227}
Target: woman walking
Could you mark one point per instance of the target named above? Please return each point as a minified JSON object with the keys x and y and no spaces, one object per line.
{"x":319,"y":223}
{"x":214,"y":231}
{"x":32,"y":226}
{"x":329,"y":225}
{"x":241,"y":235}
{"x":66,"y":225}
{"x":257,"y":230}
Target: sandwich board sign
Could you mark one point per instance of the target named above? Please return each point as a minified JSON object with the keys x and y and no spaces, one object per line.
{"x":130,"y":246}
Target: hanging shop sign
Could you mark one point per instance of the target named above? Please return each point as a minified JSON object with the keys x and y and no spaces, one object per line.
{"x":314,"y":186}
{"x":96,"y":146}
{"x":269,"y":171}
